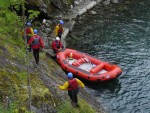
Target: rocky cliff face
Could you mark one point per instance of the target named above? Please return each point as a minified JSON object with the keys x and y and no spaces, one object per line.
{"x":51,"y":8}
{"x":47,"y":8}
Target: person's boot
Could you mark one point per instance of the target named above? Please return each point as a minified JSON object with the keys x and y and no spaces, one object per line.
{"x":73,"y":104}
{"x":29,"y":49}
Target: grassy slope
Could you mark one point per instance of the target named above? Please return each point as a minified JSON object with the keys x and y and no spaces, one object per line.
{"x":44,"y":81}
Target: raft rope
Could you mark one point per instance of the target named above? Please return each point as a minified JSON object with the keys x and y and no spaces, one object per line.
{"x":87,"y":60}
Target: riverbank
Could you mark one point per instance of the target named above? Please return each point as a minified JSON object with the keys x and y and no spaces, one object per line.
{"x":68,"y":26}
{"x":70,"y":21}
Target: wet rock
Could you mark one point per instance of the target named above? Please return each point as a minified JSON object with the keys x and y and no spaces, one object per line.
{"x":98,"y":1}
{"x":48,"y":30}
{"x":49,"y":22}
{"x":43,"y":7}
{"x":76,"y":2}
{"x":50,"y":53}
{"x":69,"y":25}
{"x":92,"y":12}
{"x":71,"y":6}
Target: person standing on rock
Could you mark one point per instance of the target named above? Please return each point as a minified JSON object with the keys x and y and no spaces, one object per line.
{"x":59,"y":29}
{"x":29,"y":34}
{"x":73,"y":88}
{"x":57,"y":45}
{"x":36,"y":42}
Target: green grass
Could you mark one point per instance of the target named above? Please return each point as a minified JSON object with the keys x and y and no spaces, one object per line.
{"x":13,"y":108}
{"x":84,"y":107}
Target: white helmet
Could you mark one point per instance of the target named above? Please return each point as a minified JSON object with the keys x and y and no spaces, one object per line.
{"x":57,"y":38}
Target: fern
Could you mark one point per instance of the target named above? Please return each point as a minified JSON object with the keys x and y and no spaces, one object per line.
{"x":33,"y":14}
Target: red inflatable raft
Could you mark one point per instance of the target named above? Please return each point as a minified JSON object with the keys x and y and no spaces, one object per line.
{"x":86,"y":67}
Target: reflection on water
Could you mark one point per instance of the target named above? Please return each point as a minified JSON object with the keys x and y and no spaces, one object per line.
{"x":111,"y":86}
{"x":119,"y":34}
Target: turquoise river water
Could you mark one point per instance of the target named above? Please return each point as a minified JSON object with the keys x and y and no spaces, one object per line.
{"x":119,"y":34}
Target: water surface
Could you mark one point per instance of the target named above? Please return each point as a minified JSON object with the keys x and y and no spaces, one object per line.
{"x":119,"y":34}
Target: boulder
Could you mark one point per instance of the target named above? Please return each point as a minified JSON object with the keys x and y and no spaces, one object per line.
{"x":92,"y":12}
{"x":81,"y":11}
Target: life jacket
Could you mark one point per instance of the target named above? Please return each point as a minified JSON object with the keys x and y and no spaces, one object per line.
{"x":28,"y":30}
{"x":57,"y":44}
{"x":60,"y":30}
{"x":73,"y":84}
{"x":36,"y":40}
